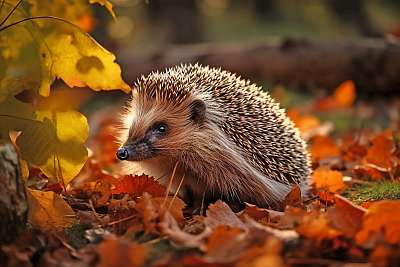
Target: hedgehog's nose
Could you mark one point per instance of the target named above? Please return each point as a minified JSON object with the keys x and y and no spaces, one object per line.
{"x":122,"y":153}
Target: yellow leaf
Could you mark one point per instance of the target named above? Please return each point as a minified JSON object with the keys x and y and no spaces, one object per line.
{"x":52,"y":140}
{"x":106,"y":4}
{"x":21,"y":64}
{"x":80,"y":61}
{"x":56,"y":144}
{"x":48,"y":211}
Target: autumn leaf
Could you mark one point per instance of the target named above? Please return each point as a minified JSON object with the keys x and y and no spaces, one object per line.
{"x":106,"y":4}
{"x":55,"y":143}
{"x":220,"y":213}
{"x":318,"y":227}
{"x":305,"y":123}
{"x":225,"y":243}
{"x":343,"y":97}
{"x":346,"y":216}
{"x":328,"y":180}
{"x":380,"y":153}
{"x":293,"y":198}
{"x":381,"y":223}
{"x":48,"y":211}
{"x":80,"y":61}
{"x":345,"y":94}
{"x":121,"y":252}
{"x":137,"y":185}
{"x":323,"y":147}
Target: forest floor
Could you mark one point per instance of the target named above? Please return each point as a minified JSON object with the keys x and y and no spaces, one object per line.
{"x":108,"y":219}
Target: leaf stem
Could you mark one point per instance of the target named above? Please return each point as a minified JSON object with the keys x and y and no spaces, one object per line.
{"x":11,"y":12}
{"x":34,"y":18}
{"x":2,"y":4}
{"x":19,"y":118}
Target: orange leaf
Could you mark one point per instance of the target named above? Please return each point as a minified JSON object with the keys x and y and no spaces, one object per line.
{"x":305,"y":123}
{"x":346,"y":216}
{"x":381,"y":222}
{"x":328,"y":180}
{"x":225,"y":242}
{"x":121,"y":252}
{"x":293,"y":198}
{"x":317,"y":226}
{"x":220,"y":213}
{"x":323,"y":147}
{"x":380,"y":153}
{"x":345,"y":94}
{"x":137,"y":185}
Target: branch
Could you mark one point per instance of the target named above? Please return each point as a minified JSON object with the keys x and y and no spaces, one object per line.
{"x":373,"y":64}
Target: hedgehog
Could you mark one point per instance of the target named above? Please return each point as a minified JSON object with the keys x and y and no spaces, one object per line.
{"x":221,"y":134}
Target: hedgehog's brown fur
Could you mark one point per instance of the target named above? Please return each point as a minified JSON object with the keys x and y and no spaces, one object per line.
{"x":242,"y":148}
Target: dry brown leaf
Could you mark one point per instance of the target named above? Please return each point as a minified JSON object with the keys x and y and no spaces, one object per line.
{"x":48,"y":211}
{"x":225,"y":243}
{"x":146,"y":208}
{"x":346,"y":216}
{"x":115,"y":252}
{"x":268,"y":255}
{"x":293,"y":198}
{"x":220,"y":213}
{"x":173,"y":205}
{"x":317,"y":226}
{"x":380,"y":153}
{"x":381,"y":223}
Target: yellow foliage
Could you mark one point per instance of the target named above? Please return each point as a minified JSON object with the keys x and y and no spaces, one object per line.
{"x":80,"y":61}
{"x":51,"y":140}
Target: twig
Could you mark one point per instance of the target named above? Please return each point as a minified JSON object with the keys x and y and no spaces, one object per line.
{"x":122,"y":220}
{"x":11,"y":12}
{"x":170,"y":184}
{"x":176,"y":193}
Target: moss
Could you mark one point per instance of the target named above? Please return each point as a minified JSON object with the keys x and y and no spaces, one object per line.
{"x":373,"y":191}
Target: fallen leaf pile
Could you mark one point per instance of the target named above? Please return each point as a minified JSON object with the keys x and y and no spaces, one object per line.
{"x":108,"y":219}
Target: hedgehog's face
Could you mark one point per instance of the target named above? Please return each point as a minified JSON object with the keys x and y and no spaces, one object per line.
{"x":160,"y":128}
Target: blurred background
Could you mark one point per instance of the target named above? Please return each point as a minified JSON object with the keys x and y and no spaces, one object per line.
{"x":154,"y":34}
{"x":299,"y":51}
{"x":148,"y":24}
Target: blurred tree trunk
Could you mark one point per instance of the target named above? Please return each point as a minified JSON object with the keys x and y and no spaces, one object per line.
{"x":373,"y":64}
{"x":354,"y":12}
{"x":181,"y":17}
{"x":13,"y":203}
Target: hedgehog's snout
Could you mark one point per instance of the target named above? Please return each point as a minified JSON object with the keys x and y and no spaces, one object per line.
{"x":123,"y":153}
{"x":136,"y":152}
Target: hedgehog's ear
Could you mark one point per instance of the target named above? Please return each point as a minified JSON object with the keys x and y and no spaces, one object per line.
{"x":198,"y":111}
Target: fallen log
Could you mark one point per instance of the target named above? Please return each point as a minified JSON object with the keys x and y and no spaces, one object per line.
{"x":373,"y":64}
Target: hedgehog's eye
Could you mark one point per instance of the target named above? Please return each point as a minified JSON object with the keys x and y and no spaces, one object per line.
{"x":160,"y":128}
